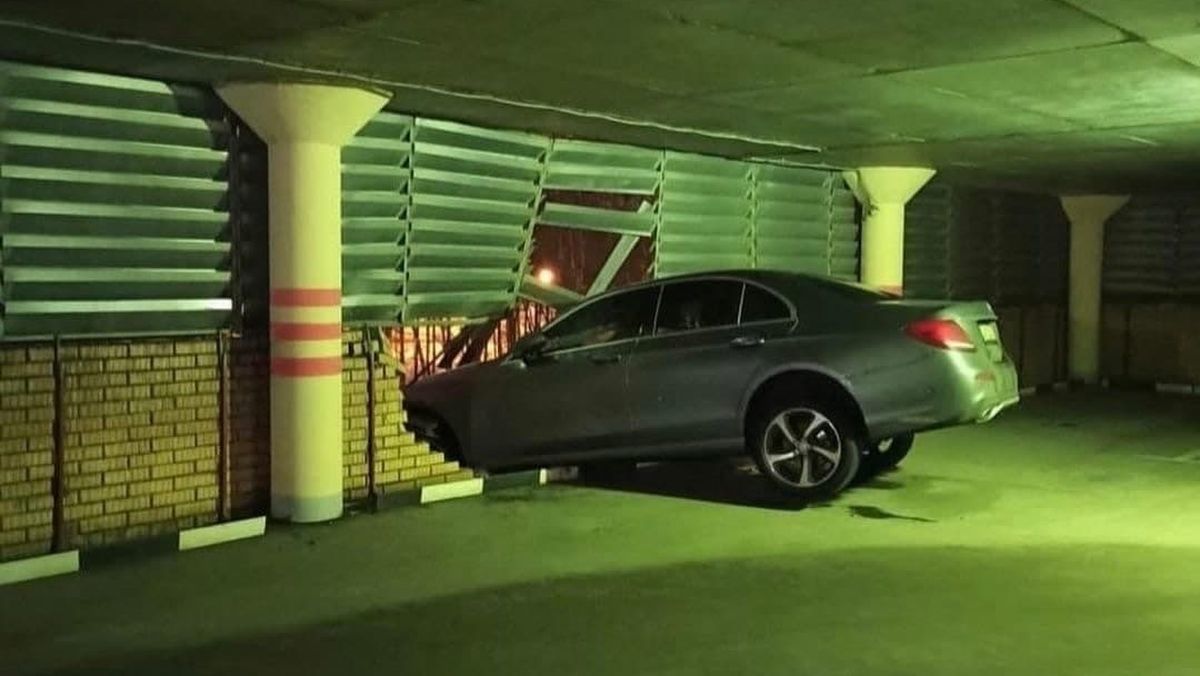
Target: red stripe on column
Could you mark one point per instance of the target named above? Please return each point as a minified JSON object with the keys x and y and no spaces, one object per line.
{"x":304,"y":367}
{"x":306,"y":297}
{"x":892,"y":289}
{"x":306,"y":331}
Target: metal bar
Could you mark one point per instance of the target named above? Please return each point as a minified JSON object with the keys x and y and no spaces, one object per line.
{"x":616,"y":259}
{"x":549,"y":294}
{"x":481,"y":335}
{"x":224,"y":499}
{"x":369,"y":353}
{"x":57,"y":482}
{"x":237,"y":209}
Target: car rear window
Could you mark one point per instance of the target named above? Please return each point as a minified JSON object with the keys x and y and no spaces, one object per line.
{"x":687,"y":306}
{"x":760,"y":305}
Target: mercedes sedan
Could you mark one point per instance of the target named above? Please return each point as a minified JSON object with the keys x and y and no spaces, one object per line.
{"x":817,"y":380}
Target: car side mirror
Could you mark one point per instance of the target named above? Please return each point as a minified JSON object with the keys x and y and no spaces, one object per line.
{"x":531,"y":347}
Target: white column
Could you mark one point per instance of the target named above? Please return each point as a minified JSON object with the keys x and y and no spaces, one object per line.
{"x":1087,"y":214}
{"x":305,"y":127}
{"x":883,"y":192}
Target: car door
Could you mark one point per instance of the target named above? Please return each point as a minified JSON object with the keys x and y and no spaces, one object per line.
{"x":570,"y":398}
{"x":687,"y":380}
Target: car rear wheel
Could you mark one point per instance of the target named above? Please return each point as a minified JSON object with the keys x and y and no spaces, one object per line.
{"x":807,"y":449}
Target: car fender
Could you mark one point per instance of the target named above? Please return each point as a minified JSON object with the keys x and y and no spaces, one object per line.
{"x":791,"y":367}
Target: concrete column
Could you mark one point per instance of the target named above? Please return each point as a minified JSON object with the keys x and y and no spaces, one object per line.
{"x":305,"y":127}
{"x":1087,"y":214}
{"x":883,"y":192}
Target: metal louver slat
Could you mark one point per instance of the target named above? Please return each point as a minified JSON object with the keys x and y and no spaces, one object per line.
{"x":475,"y":192}
{"x":583,"y":165}
{"x":704,"y":215}
{"x":114,"y":205}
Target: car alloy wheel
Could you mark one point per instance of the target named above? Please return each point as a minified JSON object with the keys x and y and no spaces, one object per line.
{"x":802,"y":448}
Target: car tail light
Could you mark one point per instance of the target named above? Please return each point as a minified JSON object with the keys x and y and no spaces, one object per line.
{"x":945,"y":334}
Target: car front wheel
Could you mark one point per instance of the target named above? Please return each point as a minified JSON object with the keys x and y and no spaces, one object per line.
{"x":811,"y":450}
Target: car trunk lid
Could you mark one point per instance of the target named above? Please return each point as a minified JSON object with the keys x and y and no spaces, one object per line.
{"x":976,"y":318}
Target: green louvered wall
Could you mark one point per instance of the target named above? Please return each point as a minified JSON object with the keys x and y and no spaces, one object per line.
{"x":1141,"y":247}
{"x":113,"y":204}
{"x":436,"y":218}
{"x":964,"y":242}
{"x":376,"y":194}
{"x":120,"y":205}
{"x":793,"y":227}
{"x":601,"y":167}
{"x":844,"y":231}
{"x":474,"y":199}
{"x":722,"y":214}
{"x":705,"y":215}
{"x":1188,"y":277}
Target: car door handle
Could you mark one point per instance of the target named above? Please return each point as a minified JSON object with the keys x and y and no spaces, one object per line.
{"x":747,"y":341}
{"x":605,"y":359}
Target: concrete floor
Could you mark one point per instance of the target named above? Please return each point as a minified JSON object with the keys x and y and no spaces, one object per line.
{"x":1063,"y":538}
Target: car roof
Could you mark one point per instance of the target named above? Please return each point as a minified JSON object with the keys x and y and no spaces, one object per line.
{"x":795,"y":286}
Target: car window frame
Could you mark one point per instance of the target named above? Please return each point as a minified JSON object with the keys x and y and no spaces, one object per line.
{"x":697,"y":280}
{"x":655,"y":287}
{"x":793,"y":316}
{"x":791,"y":319}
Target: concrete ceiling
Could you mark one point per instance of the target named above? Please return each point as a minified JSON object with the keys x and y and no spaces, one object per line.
{"x":1055,"y":95}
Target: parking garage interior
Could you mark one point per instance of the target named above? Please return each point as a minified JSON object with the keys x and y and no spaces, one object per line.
{"x":232,"y":233}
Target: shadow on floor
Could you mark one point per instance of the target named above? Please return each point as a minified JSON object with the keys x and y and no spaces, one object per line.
{"x":883,"y":610}
{"x":724,"y":481}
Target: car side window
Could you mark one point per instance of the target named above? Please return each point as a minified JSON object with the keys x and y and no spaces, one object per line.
{"x":687,"y":306}
{"x":626,"y":315}
{"x":760,"y":305}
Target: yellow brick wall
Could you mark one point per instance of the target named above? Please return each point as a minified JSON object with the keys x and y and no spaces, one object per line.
{"x":401,"y":462}
{"x":26,"y":450}
{"x":250,"y":426}
{"x":141,"y":427}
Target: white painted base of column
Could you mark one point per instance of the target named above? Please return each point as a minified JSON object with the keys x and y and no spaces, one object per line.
{"x":50,"y":565}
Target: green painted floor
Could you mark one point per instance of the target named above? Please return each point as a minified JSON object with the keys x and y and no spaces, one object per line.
{"x":1063,"y":538}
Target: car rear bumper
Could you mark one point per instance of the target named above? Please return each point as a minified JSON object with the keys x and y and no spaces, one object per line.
{"x":963,"y":389}
{"x":987,"y":390}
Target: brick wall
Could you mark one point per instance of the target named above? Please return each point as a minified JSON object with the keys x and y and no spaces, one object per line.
{"x":250,"y":426}
{"x":26,"y":450}
{"x":143,"y":426}
{"x":141,"y":439}
{"x":401,"y":462}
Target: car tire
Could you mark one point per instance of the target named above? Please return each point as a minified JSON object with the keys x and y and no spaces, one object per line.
{"x":884,"y":455}
{"x":808,"y":449}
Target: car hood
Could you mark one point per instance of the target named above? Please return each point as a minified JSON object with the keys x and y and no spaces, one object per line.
{"x":446,"y":383}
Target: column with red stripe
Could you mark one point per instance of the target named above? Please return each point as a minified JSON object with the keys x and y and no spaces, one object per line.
{"x":305,"y":127}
